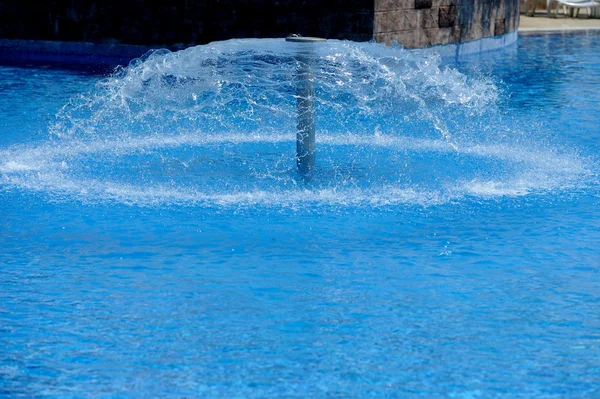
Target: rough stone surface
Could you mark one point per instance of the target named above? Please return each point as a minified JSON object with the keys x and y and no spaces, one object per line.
{"x":181,"y":23}
{"x":499,"y":27}
{"x":447,"y":16}
{"x":444,"y":21}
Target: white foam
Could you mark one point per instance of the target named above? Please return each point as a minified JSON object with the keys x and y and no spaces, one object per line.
{"x":45,"y":168}
{"x":12,"y":166}
{"x":489,"y":189}
{"x":33,"y":158}
{"x":241,"y":93}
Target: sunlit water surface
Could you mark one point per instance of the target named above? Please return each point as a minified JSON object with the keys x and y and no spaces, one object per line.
{"x":156,"y":240}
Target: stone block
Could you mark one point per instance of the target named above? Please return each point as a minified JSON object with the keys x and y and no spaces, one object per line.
{"x":444,"y":3}
{"x":481,"y":14}
{"x":470,"y":32}
{"x":434,"y":36}
{"x":465,"y":13}
{"x":391,"y":5}
{"x":501,"y":9}
{"x":499,"y":27}
{"x":428,"y":18}
{"x":512,"y":23}
{"x":447,"y":16}
{"x":394,"y":21}
{"x":408,"y":39}
{"x":476,"y":12}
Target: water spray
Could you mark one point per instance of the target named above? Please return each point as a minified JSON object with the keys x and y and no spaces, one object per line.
{"x":305,"y":92}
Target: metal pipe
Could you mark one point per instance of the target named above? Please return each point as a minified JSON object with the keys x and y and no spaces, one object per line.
{"x":305,"y":92}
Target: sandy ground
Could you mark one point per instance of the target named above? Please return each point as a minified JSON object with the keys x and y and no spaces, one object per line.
{"x":542,"y":23}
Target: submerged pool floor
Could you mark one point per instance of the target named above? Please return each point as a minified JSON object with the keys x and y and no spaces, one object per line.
{"x":447,"y":245}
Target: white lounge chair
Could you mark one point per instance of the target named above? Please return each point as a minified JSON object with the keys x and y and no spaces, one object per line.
{"x":574,"y":4}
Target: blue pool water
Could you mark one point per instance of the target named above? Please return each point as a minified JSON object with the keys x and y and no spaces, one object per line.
{"x":155,"y":239}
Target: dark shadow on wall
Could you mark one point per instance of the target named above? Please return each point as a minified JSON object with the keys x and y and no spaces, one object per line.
{"x":183,"y":22}
{"x":476,"y":19}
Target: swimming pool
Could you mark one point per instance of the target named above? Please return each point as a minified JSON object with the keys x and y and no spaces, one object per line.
{"x":156,"y":241}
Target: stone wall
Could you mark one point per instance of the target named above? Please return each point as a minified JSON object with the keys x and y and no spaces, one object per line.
{"x":181,"y":23}
{"x":422,"y":23}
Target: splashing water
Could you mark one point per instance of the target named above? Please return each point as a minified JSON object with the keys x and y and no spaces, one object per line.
{"x":215,"y":125}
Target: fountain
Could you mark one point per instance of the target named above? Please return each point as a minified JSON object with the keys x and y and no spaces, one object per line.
{"x":213,"y":124}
